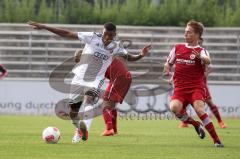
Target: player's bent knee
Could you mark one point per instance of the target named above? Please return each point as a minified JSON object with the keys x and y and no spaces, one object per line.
{"x":175,"y":106}
{"x":91,"y":96}
{"x":199,"y":107}
{"x":109,"y":104}
{"x":199,"y":110}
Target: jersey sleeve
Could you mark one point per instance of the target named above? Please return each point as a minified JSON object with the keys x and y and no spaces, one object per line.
{"x":204,"y":53}
{"x":172,"y":56}
{"x":86,"y":37}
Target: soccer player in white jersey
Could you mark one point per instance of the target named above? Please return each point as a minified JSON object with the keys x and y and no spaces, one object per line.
{"x":89,"y":73}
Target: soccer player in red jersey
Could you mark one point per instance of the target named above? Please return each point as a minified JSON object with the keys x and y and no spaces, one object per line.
{"x":190,"y":60}
{"x":213,"y":107}
{"x":120,"y":82}
{"x":208,"y":99}
{"x":3,"y":71}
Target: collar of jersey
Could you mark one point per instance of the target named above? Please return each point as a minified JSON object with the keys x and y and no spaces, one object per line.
{"x":191,"y":47}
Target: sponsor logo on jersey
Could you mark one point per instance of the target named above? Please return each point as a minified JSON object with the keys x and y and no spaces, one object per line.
{"x":184,"y":61}
{"x":101,"y":56}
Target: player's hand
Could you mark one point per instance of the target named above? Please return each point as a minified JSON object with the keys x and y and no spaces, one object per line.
{"x":166,"y":70}
{"x":145,"y":50}
{"x":197,"y":54}
{"x":170,"y":82}
{"x":77,"y":56}
{"x":36,"y":25}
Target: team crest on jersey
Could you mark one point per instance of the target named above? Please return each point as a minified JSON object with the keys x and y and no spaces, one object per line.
{"x":192,"y":56}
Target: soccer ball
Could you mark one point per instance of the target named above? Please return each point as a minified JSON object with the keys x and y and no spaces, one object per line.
{"x":51,"y":135}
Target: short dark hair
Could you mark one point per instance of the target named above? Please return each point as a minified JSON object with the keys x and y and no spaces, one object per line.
{"x":197,"y":27}
{"x":109,"y":26}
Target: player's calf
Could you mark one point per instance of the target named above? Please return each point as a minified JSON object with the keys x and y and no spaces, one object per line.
{"x":83,"y":130}
{"x":200,"y":131}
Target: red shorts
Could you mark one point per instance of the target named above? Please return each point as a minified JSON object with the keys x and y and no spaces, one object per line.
{"x":120,"y":81}
{"x":189,"y":97}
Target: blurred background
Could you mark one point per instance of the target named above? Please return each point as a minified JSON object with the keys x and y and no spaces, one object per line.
{"x":30,"y":56}
{"x":123,"y":12}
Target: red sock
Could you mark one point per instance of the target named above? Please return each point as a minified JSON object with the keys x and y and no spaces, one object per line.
{"x":107,"y":115}
{"x":215,"y":111}
{"x":209,"y":126}
{"x":183,"y":116}
{"x":114,"y":120}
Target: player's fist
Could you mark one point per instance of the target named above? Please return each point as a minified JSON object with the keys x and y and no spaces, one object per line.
{"x":77,"y":55}
{"x":197,"y":54}
{"x":166,"y":70}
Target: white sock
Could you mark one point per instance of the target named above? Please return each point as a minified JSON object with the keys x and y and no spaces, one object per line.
{"x":88,"y":116}
{"x":88,"y":123}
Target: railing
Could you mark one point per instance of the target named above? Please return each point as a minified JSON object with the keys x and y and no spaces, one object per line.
{"x":30,"y":50}
{"x":238,"y":56}
{"x":159,"y":41}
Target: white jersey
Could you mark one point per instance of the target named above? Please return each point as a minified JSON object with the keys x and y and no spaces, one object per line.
{"x":96,"y":57}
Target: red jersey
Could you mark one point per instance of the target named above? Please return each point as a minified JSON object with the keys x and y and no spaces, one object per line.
{"x":189,"y":70}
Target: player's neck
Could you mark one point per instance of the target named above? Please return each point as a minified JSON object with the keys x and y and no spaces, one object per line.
{"x":105,"y":43}
{"x":195,"y":43}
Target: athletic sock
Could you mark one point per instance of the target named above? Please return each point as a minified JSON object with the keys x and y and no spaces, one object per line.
{"x":183,"y":116}
{"x":88,"y":123}
{"x":107,"y":115}
{"x":216,"y":113}
{"x":88,"y":115}
{"x":114,"y":119}
{"x":210,"y":128}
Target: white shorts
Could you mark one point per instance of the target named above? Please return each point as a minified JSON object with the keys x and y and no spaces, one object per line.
{"x":79,"y":87}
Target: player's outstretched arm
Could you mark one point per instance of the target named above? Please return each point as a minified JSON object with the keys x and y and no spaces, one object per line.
{"x":58,"y":31}
{"x":144,"y":52}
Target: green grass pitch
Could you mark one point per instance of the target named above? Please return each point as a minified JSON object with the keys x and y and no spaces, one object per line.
{"x":20,"y":138}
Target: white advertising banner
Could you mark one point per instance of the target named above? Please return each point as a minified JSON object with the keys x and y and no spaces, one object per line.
{"x":28,"y":97}
{"x":38,"y":98}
